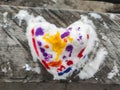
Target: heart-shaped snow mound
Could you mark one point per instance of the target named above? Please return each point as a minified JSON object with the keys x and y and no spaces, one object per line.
{"x":61,"y":51}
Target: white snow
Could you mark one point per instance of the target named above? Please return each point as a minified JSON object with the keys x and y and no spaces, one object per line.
{"x":95,"y":15}
{"x":23,"y":15}
{"x":104,"y":37}
{"x":105,"y":25}
{"x":36,"y":69}
{"x":5,"y":17}
{"x":92,"y":67}
{"x":27,"y":67}
{"x":4,"y":70}
{"x":112,"y":16}
{"x":113,"y":72}
{"x":55,"y":1}
{"x":5,"y":14}
{"x":96,"y":79}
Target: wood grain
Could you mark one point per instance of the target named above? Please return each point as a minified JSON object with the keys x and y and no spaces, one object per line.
{"x":15,"y":53}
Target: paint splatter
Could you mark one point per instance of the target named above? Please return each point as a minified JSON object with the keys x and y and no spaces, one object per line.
{"x":39,"y":43}
{"x":65,"y":34}
{"x":81,"y":53}
{"x":45,"y":64}
{"x":69,"y":48}
{"x":35,"y":47}
{"x":70,"y":62}
{"x":39,"y":31}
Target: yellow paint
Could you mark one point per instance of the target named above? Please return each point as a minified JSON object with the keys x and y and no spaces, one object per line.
{"x":56,"y":42}
{"x":70,"y":39}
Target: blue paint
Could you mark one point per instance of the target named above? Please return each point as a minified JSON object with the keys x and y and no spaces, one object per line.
{"x":84,"y":57}
{"x":75,"y":71}
{"x":60,"y":74}
{"x":67,"y":70}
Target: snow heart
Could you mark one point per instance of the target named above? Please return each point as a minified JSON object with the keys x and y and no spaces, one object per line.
{"x":61,"y":51}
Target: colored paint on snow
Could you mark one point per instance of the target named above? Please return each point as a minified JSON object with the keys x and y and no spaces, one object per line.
{"x":69,"y":48}
{"x":56,"y":42}
{"x":55,"y":63}
{"x":35,"y":47}
{"x":45,"y":64}
{"x":70,"y":62}
{"x":81,"y":53}
{"x":65,"y":34}
{"x":39,"y":31}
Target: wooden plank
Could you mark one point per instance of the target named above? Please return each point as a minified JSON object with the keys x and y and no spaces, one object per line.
{"x":57,"y":86}
{"x":15,"y":53}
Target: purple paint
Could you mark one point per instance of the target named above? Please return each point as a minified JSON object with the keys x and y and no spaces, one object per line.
{"x":69,"y":48}
{"x":50,"y":56}
{"x":65,"y":34}
{"x":46,"y":59}
{"x":45,"y":54}
{"x":42,"y":50}
{"x":80,"y":37}
{"x":39,"y":31}
{"x":64,"y":57}
{"x":70,"y":28}
{"x":39,"y":43}
{"x":78,"y":28}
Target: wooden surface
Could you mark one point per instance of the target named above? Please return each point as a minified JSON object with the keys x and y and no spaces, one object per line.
{"x":15,"y":53}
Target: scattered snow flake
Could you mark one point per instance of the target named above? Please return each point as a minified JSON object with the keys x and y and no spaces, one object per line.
{"x":96,"y":78}
{"x":55,"y":1}
{"x":105,"y":25}
{"x":27,"y":67}
{"x":95,"y":15}
{"x":4,"y":70}
{"x":104,"y":37}
{"x":112,"y":16}
{"x":5,"y":17}
{"x":37,"y":70}
{"x":113,"y":72}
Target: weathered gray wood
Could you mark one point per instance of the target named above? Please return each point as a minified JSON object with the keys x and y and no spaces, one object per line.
{"x":15,"y":53}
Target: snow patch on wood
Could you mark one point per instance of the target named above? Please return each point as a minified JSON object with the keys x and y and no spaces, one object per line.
{"x":80,"y":38}
{"x":92,"y":67}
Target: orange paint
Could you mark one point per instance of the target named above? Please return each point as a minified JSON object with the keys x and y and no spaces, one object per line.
{"x":55,"y":63}
{"x":46,"y":46}
{"x":65,"y":40}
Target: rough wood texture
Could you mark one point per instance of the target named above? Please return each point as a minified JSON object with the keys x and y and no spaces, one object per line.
{"x":14,"y":50}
